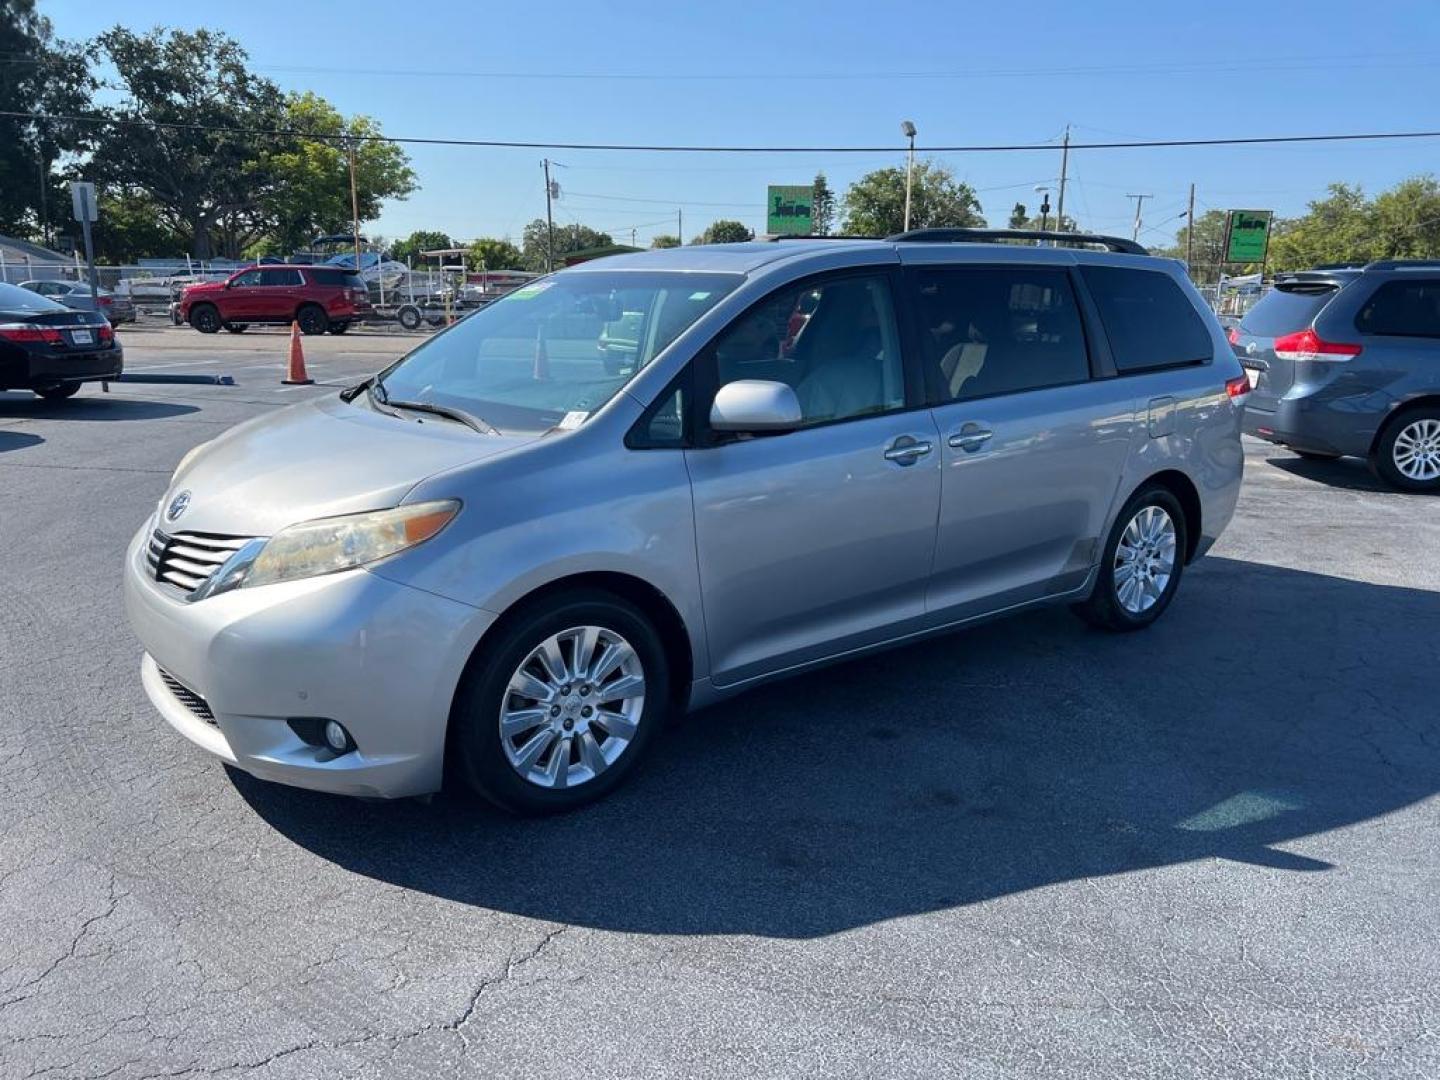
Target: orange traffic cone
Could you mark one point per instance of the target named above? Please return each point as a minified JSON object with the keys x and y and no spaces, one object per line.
{"x":296,"y":375}
{"x":542,"y":357}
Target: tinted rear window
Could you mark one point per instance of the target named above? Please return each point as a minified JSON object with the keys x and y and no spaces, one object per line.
{"x":1402,"y":308}
{"x":1148,"y":318}
{"x":347,"y":278}
{"x":1283,"y":311}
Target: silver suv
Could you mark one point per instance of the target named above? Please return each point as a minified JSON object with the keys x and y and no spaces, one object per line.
{"x":514,"y":553}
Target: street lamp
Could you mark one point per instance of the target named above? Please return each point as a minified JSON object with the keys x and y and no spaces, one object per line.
{"x":1044,"y":192}
{"x":907,"y":128}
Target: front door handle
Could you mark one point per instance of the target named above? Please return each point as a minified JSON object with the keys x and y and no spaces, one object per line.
{"x":906,"y":450}
{"x":970,"y":439}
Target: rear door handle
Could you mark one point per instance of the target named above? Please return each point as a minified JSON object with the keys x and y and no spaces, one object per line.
{"x":906,"y":450}
{"x":971,"y":439}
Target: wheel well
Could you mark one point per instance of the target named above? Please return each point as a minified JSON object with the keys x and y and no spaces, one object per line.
{"x":651,"y":601}
{"x":1183,"y":488}
{"x":1432,"y":401}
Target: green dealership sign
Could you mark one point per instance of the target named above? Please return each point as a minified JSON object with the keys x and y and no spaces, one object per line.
{"x":1247,"y":235}
{"x":790,"y":210}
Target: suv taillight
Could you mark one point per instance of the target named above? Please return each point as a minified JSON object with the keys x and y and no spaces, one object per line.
{"x":1308,"y":345}
{"x":1233,"y":336}
{"x":1237,"y":387}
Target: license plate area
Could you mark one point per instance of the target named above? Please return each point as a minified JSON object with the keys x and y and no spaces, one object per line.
{"x":82,"y":337}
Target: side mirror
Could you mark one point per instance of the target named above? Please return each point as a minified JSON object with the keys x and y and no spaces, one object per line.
{"x":751,"y":405}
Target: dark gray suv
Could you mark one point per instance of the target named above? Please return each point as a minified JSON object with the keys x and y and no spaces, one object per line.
{"x":1346,"y":361}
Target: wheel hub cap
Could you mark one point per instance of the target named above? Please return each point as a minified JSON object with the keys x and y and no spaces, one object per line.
{"x":1144,"y":559}
{"x":572,"y":707}
{"x":1417,"y":450}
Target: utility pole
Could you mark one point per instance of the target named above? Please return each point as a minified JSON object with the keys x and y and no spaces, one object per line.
{"x":1064,"y":169}
{"x":1190,"y":234}
{"x":549,"y":221}
{"x":44,"y":209}
{"x":680,"y":226}
{"x":355,"y":211}
{"x":1139,"y":201}
{"x":632,"y":237}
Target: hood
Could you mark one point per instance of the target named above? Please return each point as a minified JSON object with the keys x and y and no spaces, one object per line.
{"x":318,"y":459}
{"x":203,"y":287}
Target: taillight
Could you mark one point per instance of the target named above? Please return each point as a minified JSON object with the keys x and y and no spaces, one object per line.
{"x":1308,"y":345}
{"x":105,"y":334}
{"x":29,"y":332}
{"x":1233,"y":336}
{"x":105,"y":300}
{"x":1237,"y":387}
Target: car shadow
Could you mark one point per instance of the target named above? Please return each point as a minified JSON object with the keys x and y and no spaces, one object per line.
{"x":1346,"y":472}
{"x":1269,"y":705}
{"x":99,"y":407}
{"x":18,"y":440}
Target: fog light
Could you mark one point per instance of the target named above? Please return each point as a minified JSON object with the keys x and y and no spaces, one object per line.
{"x":336,"y":737}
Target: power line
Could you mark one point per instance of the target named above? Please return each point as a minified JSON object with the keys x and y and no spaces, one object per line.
{"x":508,"y":144}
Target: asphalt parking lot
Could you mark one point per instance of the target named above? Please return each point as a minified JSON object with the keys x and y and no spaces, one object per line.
{"x":1026,"y":850}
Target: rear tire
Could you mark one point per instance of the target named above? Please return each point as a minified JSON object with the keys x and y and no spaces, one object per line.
{"x":205,"y":318}
{"x":409,"y":317}
{"x":1146,"y":548}
{"x":496,"y":765}
{"x":312,"y":320}
{"x":237,"y":327}
{"x":1408,"y":453}
{"x":339,"y":327}
{"x":59,"y":392}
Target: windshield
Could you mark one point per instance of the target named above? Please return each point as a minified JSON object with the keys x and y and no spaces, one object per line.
{"x":14,"y":298}
{"x":554,"y":351}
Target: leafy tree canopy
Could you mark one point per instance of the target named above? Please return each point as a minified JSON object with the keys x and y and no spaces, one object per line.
{"x":496,"y":255}
{"x":725,"y":232}
{"x":535,"y":239}
{"x":665,"y":240}
{"x":875,"y":204}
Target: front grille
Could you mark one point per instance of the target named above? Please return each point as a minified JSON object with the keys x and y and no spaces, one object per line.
{"x":186,"y":560}
{"x":187,"y":697}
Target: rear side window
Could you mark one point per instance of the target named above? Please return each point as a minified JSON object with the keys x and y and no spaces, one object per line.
{"x":1148,"y":318}
{"x":280,"y":277}
{"x":353,"y":280}
{"x":1402,"y":309}
{"x":999,"y":329}
{"x":327,"y":277}
{"x":1286,"y":310}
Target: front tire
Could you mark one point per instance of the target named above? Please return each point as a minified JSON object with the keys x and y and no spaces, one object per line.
{"x":1141,"y":566}
{"x":1408,"y":453}
{"x":312,"y":320}
{"x":562,"y":705}
{"x":409,"y":317}
{"x":339,"y":327}
{"x":59,"y":392}
{"x":205,"y":318}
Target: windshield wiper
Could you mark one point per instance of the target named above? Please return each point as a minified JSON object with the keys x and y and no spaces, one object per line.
{"x":468,"y":419}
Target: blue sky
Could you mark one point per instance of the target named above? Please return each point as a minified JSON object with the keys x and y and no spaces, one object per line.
{"x":841,"y":72}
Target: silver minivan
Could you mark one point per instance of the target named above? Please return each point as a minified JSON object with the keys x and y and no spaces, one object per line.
{"x":514,"y":552}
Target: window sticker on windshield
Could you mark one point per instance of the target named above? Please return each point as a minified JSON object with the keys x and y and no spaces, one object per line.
{"x":528,"y":291}
{"x":699,"y":296}
{"x":573,"y":420}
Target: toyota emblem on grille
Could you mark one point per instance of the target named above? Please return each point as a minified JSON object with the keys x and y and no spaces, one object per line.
{"x":177,"y":506}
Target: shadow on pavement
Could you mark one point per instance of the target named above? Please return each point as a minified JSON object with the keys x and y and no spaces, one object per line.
{"x":98,"y":407}
{"x":1268,"y":705}
{"x":18,"y":440}
{"x":1349,"y":473}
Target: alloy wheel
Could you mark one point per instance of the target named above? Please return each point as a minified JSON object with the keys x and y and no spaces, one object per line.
{"x":1417,"y":450}
{"x":1144,"y":559}
{"x":572,"y":707}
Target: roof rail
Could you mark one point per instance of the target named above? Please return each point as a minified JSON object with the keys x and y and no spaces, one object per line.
{"x":990,"y":236}
{"x":1401,"y":264}
{"x":776,"y":238}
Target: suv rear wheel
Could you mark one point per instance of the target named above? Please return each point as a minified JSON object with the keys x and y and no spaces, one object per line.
{"x":1144,"y":557}
{"x":312,"y":319}
{"x":1408,"y":453}
{"x":566,"y":701}
{"x":205,"y":318}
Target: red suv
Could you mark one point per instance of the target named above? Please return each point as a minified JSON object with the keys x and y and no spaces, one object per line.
{"x":319,"y":298}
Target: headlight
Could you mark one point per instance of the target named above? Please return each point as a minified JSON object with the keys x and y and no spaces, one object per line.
{"x":328,"y":545}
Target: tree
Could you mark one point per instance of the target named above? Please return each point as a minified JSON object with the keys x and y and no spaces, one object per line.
{"x":665,"y":240}
{"x":131,"y":227}
{"x":725,"y":231}
{"x":38,"y":74}
{"x":822,"y":209}
{"x":1337,"y":228}
{"x":495,"y":255}
{"x":196,"y":175}
{"x":1406,"y":220}
{"x":418,"y":241}
{"x":534,"y":242}
{"x":875,"y":204}
{"x":1208,"y":250}
{"x":309,"y":194}
{"x":1018,"y":217}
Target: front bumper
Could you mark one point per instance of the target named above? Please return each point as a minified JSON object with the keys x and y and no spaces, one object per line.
{"x":380,"y":657}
